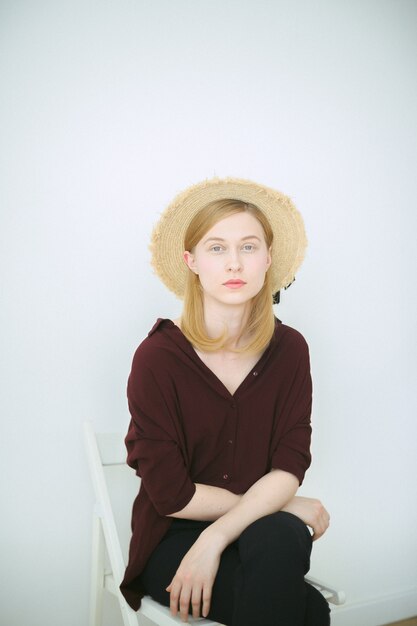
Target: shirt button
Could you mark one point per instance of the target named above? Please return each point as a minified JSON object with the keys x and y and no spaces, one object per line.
{"x":233,"y":405}
{"x":230,"y":441}
{"x":255,"y":373}
{"x":225,"y":476}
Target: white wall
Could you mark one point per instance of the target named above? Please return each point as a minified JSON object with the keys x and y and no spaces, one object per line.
{"x":110,"y":108}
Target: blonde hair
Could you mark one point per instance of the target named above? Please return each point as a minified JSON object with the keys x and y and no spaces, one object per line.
{"x":261,"y":322}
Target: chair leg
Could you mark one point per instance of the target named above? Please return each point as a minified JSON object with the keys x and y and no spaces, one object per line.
{"x":97,"y":573}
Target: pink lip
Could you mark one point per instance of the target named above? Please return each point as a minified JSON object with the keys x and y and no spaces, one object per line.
{"x":234,"y":284}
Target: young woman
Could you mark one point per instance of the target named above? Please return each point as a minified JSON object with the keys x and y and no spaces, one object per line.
{"x":220,"y":401}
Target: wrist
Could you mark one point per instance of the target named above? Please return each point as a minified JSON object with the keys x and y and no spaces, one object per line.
{"x":216,"y":537}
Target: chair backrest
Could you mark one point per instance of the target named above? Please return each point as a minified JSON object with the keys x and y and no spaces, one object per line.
{"x":116,"y":486}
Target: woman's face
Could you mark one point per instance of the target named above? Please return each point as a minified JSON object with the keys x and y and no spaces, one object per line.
{"x":231,"y":259}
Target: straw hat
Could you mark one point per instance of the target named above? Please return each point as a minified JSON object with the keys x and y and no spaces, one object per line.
{"x":167,"y":244}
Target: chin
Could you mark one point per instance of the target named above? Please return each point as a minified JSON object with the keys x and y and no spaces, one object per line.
{"x":238,"y":298}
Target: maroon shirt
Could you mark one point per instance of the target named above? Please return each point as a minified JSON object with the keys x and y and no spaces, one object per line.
{"x":187,"y":428}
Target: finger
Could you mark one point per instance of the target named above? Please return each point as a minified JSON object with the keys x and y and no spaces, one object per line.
{"x":319,"y":530}
{"x":325,"y":523}
{"x":196,"y":601}
{"x":174,"y":597}
{"x":206,"y":600}
{"x":317,"y":533}
{"x":184,"y":603}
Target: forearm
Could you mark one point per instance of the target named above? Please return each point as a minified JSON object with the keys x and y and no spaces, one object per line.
{"x":268,"y":495}
{"x":208,"y":504}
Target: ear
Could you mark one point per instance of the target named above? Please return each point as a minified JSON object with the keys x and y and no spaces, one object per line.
{"x":269,"y":259}
{"x":190,"y":261}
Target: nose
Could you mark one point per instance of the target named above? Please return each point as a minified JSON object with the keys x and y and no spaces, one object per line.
{"x":234,"y":263}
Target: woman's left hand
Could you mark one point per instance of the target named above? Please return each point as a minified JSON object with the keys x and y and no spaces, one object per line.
{"x":311,"y":512}
{"x":193,"y":581}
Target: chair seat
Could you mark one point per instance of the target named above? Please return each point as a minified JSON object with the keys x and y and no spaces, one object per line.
{"x":330,"y":593}
{"x":155,"y":611}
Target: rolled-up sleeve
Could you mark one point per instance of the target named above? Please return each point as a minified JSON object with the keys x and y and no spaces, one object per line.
{"x":292,"y":434}
{"x":155,"y":442}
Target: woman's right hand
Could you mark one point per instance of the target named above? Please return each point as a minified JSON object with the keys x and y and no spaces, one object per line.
{"x":312,"y":512}
{"x":193,"y":581}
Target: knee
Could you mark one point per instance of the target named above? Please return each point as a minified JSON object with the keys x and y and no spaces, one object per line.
{"x":281,"y":533}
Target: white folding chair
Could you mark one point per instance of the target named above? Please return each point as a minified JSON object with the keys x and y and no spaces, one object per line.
{"x":115,"y":486}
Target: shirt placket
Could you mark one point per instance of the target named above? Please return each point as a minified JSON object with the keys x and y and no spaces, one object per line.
{"x":230,"y":434}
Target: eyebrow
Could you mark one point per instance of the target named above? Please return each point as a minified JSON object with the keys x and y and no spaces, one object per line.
{"x":221,"y":239}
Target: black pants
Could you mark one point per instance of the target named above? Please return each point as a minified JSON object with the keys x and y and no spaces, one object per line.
{"x":260,"y":581}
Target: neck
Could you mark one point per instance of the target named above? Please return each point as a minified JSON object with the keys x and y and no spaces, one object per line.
{"x":232,"y":319}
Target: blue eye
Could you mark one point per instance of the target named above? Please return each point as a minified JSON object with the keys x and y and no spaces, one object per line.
{"x":248,"y":247}
{"x":216,"y":248}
